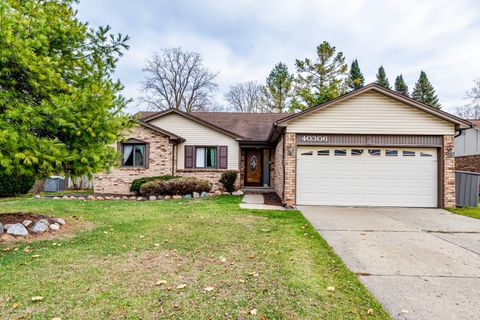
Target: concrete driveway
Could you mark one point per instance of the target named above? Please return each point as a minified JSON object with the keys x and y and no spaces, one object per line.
{"x":419,"y":263}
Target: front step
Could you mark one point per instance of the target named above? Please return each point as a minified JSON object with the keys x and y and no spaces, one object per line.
{"x":257,"y":190}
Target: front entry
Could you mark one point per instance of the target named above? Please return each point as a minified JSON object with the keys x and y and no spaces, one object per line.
{"x":253,"y":164}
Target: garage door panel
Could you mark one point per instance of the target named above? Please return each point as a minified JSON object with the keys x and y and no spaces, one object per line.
{"x":368,"y":180}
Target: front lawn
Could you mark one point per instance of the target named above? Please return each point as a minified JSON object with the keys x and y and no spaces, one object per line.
{"x":198,"y":259}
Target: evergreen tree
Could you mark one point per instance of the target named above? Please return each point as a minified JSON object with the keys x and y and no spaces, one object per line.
{"x":356,"y":80}
{"x":61,"y":110}
{"x":278,"y":88}
{"x":320,"y":80}
{"x":401,"y":86}
{"x":382,"y":78}
{"x":424,"y":91}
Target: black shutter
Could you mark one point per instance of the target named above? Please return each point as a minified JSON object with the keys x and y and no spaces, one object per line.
{"x":223,"y":157}
{"x":188,"y":157}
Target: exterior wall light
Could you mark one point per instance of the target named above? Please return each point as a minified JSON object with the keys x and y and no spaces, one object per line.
{"x":450,"y":153}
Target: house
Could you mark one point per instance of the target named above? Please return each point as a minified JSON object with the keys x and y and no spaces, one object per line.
{"x":467,"y":149}
{"x":370,"y":147}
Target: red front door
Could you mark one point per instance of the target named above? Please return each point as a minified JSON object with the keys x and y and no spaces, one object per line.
{"x":253,"y":170}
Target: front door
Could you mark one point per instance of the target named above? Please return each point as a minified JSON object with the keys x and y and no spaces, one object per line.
{"x":253,"y":170}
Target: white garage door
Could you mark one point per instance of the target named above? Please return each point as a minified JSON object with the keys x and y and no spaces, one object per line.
{"x":356,"y":176}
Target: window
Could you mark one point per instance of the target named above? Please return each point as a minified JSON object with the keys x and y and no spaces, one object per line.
{"x":408,"y":153}
{"x":374,"y":152}
{"x":323,"y":152}
{"x":357,"y":152}
{"x":309,"y":153}
{"x":424,"y":154}
{"x":134,"y":155}
{"x":340,"y":152}
{"x":206,"y":157}
{"x":391,"y":153}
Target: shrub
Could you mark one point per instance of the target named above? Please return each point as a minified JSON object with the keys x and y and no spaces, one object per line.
{"x":11,"y":185}
{"x":228,"y":179}
{"x":137,"y":183}
{"x":180,"y":186}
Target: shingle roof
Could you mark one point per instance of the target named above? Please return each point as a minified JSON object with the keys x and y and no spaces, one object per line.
{"x":475,"y":122}
{"x":250,"y":126}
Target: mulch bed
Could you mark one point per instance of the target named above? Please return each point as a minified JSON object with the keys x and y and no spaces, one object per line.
{"x":272,"y":199}
{"x":19,"y":217}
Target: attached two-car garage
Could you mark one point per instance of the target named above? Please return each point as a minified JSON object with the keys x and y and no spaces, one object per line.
{"x":367,"y":176}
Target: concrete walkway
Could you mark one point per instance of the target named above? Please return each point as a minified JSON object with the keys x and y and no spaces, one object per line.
{"x":255,"y":201}
{"x":419,"y":263}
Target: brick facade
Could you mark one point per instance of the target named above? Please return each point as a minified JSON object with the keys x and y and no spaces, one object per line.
{"x":160,"y":161}
{"x":278,"y":165}
{"x":448,"y":171}
{"x":468,"y":163}
{"x":290,"y":165}
{"x":212,"y":175}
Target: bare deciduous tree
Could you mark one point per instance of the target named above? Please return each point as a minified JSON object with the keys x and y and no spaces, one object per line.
{"x":177,"y":79}
{"x":472,"y":109}
{"x":247,"y":96}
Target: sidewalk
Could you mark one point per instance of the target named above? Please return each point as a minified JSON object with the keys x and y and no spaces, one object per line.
{"x":255,"y":201}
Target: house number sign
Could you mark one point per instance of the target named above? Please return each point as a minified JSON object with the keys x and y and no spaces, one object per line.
{"x":308,"y":138}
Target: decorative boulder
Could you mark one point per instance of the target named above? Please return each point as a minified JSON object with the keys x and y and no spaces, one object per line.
{"x":1,"y":228}
{"x":18,"y":229}
{"x":218,"y":193}
{"x":65,"y":197}
{"x":187,"y":196}
{"x":237,"y":193}
{"x":37,"y":196}
{"x":59,"y":221}
{"x":39,"y":227}
{"x":167,"y":197}
{"x":140,"y":199}
{"x":6,"y":226}
{"x":56,"y":198}
{"x":151,"y":198}
{"x":55,"y":226}
{"x":196,"y":195}
{"x":203,"y":194}
{"x":177,"y":197}
{"x":226,"y":193}
{"x":90,"y":197}
{"x":27,"y":223}
{"x":100,"y":198}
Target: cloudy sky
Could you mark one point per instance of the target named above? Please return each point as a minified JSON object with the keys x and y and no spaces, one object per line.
{"x":242,"y":40}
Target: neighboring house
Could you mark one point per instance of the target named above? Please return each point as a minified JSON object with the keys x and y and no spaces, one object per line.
{"x":467,"y":149}
{"x":370,"y":147}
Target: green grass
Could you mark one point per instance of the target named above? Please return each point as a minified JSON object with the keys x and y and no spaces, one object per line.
{"x":274,"y":262}
{"x":469,"y":212}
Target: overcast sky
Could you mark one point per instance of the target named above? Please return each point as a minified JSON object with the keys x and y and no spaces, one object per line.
{"x":243,"y":40}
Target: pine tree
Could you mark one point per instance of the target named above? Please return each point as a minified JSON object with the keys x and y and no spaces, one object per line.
{"x":401,"y":86}
{"x":278,"y":88}
{"x":382,"y":78}
{"x":356,"y":80}
{"x":424,"y":91}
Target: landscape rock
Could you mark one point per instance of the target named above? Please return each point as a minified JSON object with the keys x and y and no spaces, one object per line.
{"x":132,"y":198}
{"x":237,"y":193}
{"x":7,"y":237}
{"x":196,"y":195}
{"x":56,"y":198}
{"x":65,"y":197}
{"x":151,"y":198}
{"x":124,"y":198}
{"x":82,"y":198}
{"x":39,"y":227}
{"x":177,"y":197}
{"x":44,"y":221}
{"x":218,"y":193}
{"x":226,"y":193}
{"x":160,"y":197}
{"x":27,"y":223}
{"x":1,"y":228}
{"x":203,"y":194}
{"x":167,"y":197}
{"x":100,"y":198}
{"x":59,"y":221}
{"x":90,"y":197}
{"x":6,"y":226}
{"x":55,"y":226}
{"x":18,"y":229}
{"x":108,"y":198}
{"x":187,"y":196}
{"x":37,"y":196}
{"x":140,"y":199}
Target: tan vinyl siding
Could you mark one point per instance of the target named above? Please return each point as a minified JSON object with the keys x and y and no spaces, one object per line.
{"x":371,"y":113}
{"x":197,"y":134}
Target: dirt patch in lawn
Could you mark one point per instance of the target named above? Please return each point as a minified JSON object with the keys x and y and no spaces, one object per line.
{"x":272,"y":198}
{"x":72,"y":226}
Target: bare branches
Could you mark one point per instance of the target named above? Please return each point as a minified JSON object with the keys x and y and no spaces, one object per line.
{"x":247,"y":97}
{"x":472,"y":109}
{"x":178,"y":79}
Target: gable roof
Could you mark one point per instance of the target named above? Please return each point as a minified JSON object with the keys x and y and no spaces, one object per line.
{"x":172,"y":136}
{"x":461,"y":123}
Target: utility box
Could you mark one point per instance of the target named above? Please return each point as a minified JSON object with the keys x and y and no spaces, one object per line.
{"x":54,"y":183}
{"x":467,"y":186}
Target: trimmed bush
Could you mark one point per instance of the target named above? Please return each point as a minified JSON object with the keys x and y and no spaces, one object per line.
{"x":228,"y":179}
{"x":137,"y":183}
{"x":178,"y":186}
{"x":14,"y":185}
